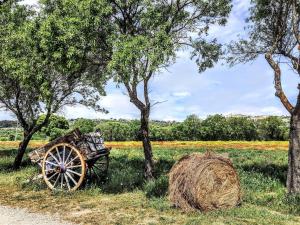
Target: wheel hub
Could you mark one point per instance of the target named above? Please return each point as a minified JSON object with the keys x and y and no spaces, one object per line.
{"x":62,"y":168}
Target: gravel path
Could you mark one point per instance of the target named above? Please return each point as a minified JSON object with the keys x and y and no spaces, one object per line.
{"x":12,"y":216}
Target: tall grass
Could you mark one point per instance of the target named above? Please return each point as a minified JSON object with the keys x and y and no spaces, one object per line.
{"x":262,"y":175}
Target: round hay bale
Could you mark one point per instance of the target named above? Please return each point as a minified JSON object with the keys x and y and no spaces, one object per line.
{"x":204,"y":182}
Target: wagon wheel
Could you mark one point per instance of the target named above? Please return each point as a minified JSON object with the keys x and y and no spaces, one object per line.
{"x":97,"y":168}
{"x":63,"y":167}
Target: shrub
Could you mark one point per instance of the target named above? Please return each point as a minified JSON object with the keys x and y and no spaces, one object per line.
{"x":56,"y":127}
{"x":273,"y":128}
{"x":84,"y":125}
{"x":115,"y":131}
{"x":157,"y":188}
{"x":242,"y":128}
{"x":122,"y":180}
{"x":215,"y":128}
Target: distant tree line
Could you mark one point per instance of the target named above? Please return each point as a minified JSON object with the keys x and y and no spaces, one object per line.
{"x":8,"y":123}
{"x":213,"y":128}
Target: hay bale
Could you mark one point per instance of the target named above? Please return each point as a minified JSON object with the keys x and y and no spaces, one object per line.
{"x":204,"y":182}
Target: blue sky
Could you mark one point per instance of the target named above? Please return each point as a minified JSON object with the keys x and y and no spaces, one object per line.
{"x":243,"y":89}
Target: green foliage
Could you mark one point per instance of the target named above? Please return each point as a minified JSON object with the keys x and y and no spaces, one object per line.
{"x":116,"y":131}
{"x":57,"y":126}
{"x":160,"y":132}
{"x":84,"y":125}
{"x":273,"y":128}
{"x":157,"y":188}
{"x":217,"y":127}
{"x":273,"y":27}
{"x":190,"y":129}
{"x":150,"y":38}
{"x":242,"y":128}
{"x":49,"y":54}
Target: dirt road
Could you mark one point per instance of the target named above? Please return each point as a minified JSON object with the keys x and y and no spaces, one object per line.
{"x":12,"y":216}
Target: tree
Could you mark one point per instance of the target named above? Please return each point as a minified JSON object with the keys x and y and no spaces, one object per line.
{"x":242,"y":128}
{"x":116,"y":131}
{"x":274,"y":33}
{"x":189,"y":130}
{"x":215,"y":128}
{"x":84,"y":125}
{"x":273,"y":128}
{"x":56,"y":126}
{"x":147,"y":36}
{"x":44,"y":60}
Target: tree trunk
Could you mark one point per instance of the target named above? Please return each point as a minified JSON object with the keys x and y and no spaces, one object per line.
{"x":22,"y":148}
{"x":149,"y":164}
{"x":293,"y":178}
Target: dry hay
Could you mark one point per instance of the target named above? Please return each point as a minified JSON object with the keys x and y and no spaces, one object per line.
{"x":204,"y":182}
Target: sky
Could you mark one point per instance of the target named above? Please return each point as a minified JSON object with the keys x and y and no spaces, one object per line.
{"x":246,"y":89}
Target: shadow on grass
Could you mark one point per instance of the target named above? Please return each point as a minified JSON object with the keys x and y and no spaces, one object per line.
{"x":127,"y":174}
{"x":278,"y":172}
{"x":8,"y":152}
{"x":7,"y":158}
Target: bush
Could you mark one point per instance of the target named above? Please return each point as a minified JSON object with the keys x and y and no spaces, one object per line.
{"x":11,"y":137}
{"x":84,"y":125}
{"x":115,"y":131}
{"x":122,"y":180}
{"x":215,"y":128}
{"x":160,"y":133}
{"x":57,"y":126}
{"x":157,"y":188}
{"x":273,"y":128}
{"x":242,"y":128}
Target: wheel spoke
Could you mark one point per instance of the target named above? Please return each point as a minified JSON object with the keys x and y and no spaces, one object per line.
{"x":72,"y":171}
{"x":67,"y":181}
{"x":76,"y":166}
{"x":59,"y":157}
{"x":54,"y":157}
{"x":56,"y":180}
{"x":68,"y":156}
{"x":97,"y":167}
{"x":64,"y":152}
{"x":50,"y":178}
{"x":72,"y":179}
{"x":50,"y":170}
{"x":72,"y":161}
{"x":54,"y":164}
{"x":64,"y":167}
{"x":61,"y":181}
{"x":96,"y":174}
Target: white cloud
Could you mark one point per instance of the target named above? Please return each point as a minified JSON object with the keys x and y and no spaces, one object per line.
{"x":235,"y":24}
{"x":116,"y":103}
{"x":181,"y":94}
{"x":6,"y":115}
{"x":256,"y":111}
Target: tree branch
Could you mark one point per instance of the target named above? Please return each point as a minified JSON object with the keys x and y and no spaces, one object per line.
{"x":277,"y":80}
{"x":295,"y":21}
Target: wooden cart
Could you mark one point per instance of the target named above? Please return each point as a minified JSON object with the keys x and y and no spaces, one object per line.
{"x":72,"y":159}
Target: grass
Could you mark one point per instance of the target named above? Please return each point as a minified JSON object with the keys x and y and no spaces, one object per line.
{"x":126,"y":198}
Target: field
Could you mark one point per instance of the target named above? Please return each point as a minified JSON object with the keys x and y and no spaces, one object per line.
{"x":125,"y":198}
